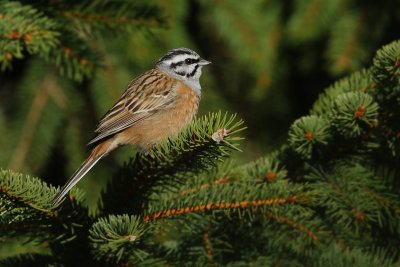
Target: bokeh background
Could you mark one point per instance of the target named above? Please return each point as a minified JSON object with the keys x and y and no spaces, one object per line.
{"x":271,"y":59}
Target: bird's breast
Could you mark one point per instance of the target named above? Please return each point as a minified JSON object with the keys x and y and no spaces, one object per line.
{"x":166,"y":122}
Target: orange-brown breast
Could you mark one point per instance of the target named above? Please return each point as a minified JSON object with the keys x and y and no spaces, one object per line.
{"x":168,"y":122}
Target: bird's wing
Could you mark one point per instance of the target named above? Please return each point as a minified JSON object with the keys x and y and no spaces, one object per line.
{"x":145,"y":96}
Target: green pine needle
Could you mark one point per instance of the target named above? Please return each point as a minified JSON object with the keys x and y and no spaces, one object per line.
{"x":200,"y":133}
{"x":355,"y":197}
{"x":115,"y":236}
{"x":335,"y":255}
{"x":26,"y":190}
{"x":307,"y":133}
{"x":354,"y":113}
{"x":360,"y":81}
{"x":386,"y":67}
{"x":265,"y":169}
{"x":24,"y":29}
{"x":191,"y":152}
{"x":234,"y":197}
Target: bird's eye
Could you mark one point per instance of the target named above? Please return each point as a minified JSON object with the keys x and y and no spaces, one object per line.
{"x":188,"y":61}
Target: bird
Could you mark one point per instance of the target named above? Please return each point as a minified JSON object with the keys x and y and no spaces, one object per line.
{"x":155,"y":105}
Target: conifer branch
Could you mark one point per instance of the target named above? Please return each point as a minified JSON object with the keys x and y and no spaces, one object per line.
{"x":39,"y":102}
{"x":29,"y":191}
{"x":354,"y":113}
{"x":111,"y":19}
{"x":193,"y":151}
{"x":337,"y":255}
{"x":111,"y":237}
{"x":319,"y":201}
{"x":222,"y":180}
{"x":361,"y":81}
{"x":115,"y":15}
{"x":386,"y":67}
{"x":352,"y":201}
{"x":293,"y":224}
{"x":221,"y":206}
{"x":34,"y":29}
{"x":208,"y":247}
{"x":24,"y":29}
{"x":73,"y":57}
{"x":26,"y":208}
{"x":344,"y":40}
{"x":307,"y":133}
{"x":266,"y":169}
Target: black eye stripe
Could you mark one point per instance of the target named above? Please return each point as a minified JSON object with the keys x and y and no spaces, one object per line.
{"x":192,"y":60}
{"x":188,"y":61}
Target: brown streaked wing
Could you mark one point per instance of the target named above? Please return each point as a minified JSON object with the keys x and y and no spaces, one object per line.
{"x":144,"y":97}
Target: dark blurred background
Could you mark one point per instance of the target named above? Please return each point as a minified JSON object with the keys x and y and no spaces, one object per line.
{"x":271,"y":59}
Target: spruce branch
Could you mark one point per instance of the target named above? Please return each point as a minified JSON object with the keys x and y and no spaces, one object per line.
{"x":37,"y":110}
{"x":193,"y":151}
{"x":386,"y":68}
{"x":28,"y":191}
{"x":293,"y":224}
{"x":73,"y":58}
{"x":221,"y":180}
{"x":308,"y":22}
{"x":208,"y":246}
{"x":26,"y":209}
{"x":104,"y":21}
{"x":357,"y":202}
{"x":354,"y":113}
{"x":123,"y":240}
{"x":220,"y":206}
{"x":228,"y":198}
{"x":335,"y":255}
{"x":386,"y":72}
{"x":360,"y":81}
{"x":109,"y":16}
{"x":345,"y":51}
{"x":265,"y":169}
{"x":307,"y":133}
{"x":24,"y":29}
{"x":63,"y":33}
{"x":112,"y":238}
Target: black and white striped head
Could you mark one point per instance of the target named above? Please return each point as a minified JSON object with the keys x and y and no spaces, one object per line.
{"x":183,"y":64}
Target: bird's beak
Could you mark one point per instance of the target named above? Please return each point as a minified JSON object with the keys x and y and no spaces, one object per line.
{"x":204,"y":62}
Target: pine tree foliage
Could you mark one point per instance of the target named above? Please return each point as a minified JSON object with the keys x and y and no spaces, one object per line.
{"x":172,"y":162}
{"x":57,"y":45}
{"x":324,"y":197}
{"x":336,"y":256}
{"x":26,"y":202}
{"x":61,"y":32}
{"x":328,"y":197}
{"x":353,"y":112}
{"x":356,"y":196}
{"x":271,"y":48}
{"x":360,"y":81}
{"x":109,"y":236}
{"x":283,"y":51}
{"x":23,"y":29}
{"x":307,"y":133}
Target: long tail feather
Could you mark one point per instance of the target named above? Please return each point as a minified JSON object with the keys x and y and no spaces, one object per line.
{"x":83,"y":169}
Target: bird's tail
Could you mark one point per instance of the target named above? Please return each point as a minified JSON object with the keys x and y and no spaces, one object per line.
{"x":96,"y":154}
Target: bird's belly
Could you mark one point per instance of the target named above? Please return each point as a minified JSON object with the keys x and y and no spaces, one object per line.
{"x":164,"y":123}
